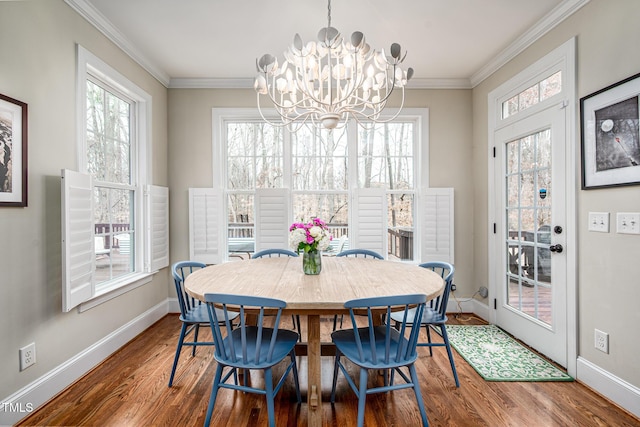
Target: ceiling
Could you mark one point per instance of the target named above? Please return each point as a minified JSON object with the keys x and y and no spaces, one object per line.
{"x":214,"y":43}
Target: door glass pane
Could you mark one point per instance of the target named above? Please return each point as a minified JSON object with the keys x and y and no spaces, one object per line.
{"x":528,"y":184}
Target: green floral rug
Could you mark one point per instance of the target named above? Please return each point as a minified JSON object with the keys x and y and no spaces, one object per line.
{"x":496,"y":356}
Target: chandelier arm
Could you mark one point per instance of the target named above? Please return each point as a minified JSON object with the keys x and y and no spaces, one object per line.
{"x":377,"y":120}
{"x":285,"y":118}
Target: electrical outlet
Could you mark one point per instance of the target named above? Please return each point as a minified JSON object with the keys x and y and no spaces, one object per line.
{"x":599,"y":221}
{"x":602,"y":341}
{"x":27,"y":356}
{"x":453,"y":287}
{"x":483,"y":292}
{"x":628,"y":222}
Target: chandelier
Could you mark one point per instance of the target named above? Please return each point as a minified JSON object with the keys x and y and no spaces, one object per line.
{"x":330,"y":80}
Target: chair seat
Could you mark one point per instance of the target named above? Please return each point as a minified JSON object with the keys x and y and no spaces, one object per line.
{"x":429,"y":316}
{"x":285,"y":342}
{"x":199,"y":314}
{"x":345,"y":342}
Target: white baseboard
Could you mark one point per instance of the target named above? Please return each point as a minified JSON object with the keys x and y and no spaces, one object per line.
{"x":613,"y":388}
{"x":24,"y":401}
{"x":468,"y":305}
{"x":173,"y":305}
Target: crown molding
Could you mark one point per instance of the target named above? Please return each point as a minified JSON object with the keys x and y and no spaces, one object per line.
{"x":91,"y":14}
{"x":211,"y":83}
{"x":549,"y":22}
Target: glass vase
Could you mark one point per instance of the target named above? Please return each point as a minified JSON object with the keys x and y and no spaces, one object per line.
{"x":312,"y":262}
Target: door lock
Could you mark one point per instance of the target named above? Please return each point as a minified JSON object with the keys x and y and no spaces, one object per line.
{"x":556,"y":248}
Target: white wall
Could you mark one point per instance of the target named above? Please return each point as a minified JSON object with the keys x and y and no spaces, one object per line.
{"x":38,"y":66}
{"x":608,"y":286}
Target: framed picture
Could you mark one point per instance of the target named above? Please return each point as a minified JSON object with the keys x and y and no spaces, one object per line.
{"x":611,"y":135}
{"x":13,"y":152}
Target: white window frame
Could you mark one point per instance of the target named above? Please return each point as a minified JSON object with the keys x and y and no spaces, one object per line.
{"x":150,"y":202}
{"x":420,"y":116}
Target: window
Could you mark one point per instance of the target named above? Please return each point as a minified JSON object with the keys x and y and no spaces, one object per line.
{"x":323,"y":174}
{"x":541,"y":91}
{"x":110,"y":150}
{"x":115,"y":224}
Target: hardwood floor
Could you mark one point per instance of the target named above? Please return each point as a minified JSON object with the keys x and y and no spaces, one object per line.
{"x":130,"y":389}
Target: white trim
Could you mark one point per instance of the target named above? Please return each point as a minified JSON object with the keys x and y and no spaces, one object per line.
{"x":53,"y":382}
{"x":247,"y":83}
{"x":616,"y":389}
{"x":118,"y":288}
{"x":563,"y":57}
{"x":102,"y":24}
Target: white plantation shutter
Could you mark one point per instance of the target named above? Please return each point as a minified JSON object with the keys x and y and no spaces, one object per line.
{"x":437,"y":225}
{"x":272,"y":218}
{"x":206,"y":225}
{"x":158,"y":220}
{"x":369,"y":220}
{"x":78,"y":258}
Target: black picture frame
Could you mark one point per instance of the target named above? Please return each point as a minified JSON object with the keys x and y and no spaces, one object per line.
{"x":610,"y":135}
{"x":13,"y":152}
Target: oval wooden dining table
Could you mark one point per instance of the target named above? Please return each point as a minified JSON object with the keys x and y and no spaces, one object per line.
{"x":342,"y":279}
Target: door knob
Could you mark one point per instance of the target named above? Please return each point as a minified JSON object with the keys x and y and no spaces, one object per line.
{"x":556,"y":248}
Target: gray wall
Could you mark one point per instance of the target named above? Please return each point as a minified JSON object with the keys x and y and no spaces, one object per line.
{"x":608,"y":286}
{"x":38,"y":66}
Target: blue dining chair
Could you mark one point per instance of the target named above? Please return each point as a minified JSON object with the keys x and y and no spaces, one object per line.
{"x":360,"y":253}
{"x":193,"y":313}
{"x":354,"y":253}
{"x":275,"y":253}
{"x":250,"y":347}
{"x":379,"y":347}
{"x":435,"y":314}
{"x":270,"y":253}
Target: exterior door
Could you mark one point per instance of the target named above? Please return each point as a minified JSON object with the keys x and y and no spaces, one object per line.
{"x":531,"y":221}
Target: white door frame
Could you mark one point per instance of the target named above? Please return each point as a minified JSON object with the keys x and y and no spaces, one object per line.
{"x":564,"y":57}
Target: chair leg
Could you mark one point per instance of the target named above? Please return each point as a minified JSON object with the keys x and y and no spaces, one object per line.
{"x":336,"y":367}
{"x":195,"y":339}
{"x":416,"y":390}
{"x":295,"y":375}
{"x":362,"y":395}
{"x":183,"y":331}
{"x":445,"y":337}
{"x":429,"y":339}
{"x":268,"y":387}
{"x":214,"y":394}
{"x":297,"y":324}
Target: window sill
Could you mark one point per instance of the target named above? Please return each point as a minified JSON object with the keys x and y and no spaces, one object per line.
{"x":116,"y":289}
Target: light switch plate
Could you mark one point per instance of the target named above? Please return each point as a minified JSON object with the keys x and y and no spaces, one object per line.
{"x":628,"y":222}
{"x":599,"y":221}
